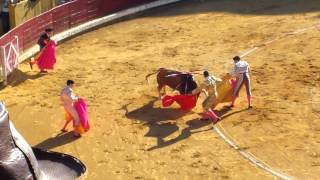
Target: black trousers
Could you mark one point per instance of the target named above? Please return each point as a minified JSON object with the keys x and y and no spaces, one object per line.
{"x":5,"y":22}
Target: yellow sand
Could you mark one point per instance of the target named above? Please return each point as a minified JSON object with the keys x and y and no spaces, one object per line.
{"x":132,"y":137}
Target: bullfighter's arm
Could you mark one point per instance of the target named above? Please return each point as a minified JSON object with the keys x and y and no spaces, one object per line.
{"x":198,"y":90}
{"x":71,"y":95}
{"x":205,"y":92}
{"x":217,"y":79}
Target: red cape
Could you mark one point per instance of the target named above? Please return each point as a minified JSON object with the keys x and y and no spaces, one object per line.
{"x":186,"y":102}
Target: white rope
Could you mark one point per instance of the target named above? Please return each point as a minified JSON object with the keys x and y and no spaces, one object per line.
{"x":251,"y":157}
{"x":228,"y":140}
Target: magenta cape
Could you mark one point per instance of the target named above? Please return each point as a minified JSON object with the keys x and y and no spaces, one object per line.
{"x":47,"y":58}
{"x":186,"y":102}
{"x":82,"y":109}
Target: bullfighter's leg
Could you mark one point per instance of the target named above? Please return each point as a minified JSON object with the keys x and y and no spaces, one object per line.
{"x":76,"y":120}
{"x":247,"y":84}
{"x":64,"y":129}
{"x":237,"y":89}
{"x":208,"y":111}
{"x":68,"y":118}
{"x":160,"y":87}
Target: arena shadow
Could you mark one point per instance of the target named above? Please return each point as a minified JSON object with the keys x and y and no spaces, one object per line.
{"x":17,"y":77}
{"x":185,"y":133}
{"x":262,"y":7}
{"x":224,"y":112}
{"x":59,"y":140}
{"x":155,"y":119}
{"x":150,"y":114}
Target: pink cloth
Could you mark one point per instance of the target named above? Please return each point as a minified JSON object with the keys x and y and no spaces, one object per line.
{"x":47,"y":58}
{"x":82,"y":109}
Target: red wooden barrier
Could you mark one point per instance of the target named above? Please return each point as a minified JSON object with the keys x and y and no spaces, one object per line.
{"x":63,"y":18}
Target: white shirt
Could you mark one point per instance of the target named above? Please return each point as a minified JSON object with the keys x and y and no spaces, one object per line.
{"x":240,"y":67}
{"x":68,"y":96}
{"x":209,"y":85}
{"x":211,"y":80}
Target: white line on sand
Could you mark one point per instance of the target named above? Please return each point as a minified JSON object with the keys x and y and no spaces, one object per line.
{"x":249,"y":156}
{"x":99,"y":21}
{"x":228,"y":140}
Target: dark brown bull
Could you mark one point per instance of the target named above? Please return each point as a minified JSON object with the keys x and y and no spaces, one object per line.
{"x":181,"y":81}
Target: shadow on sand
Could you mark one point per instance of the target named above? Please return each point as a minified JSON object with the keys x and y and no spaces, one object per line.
{"x":156,"y":118}
{"x":223,"y":112}
{"x":150,"y":114}
{"x":17,"y":77}
{"x":59,"y":140}
{"x":185,"y":133}
{"x":261,"y":7}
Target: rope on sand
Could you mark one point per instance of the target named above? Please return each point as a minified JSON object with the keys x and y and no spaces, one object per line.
{"x":250,"y":156}
{"x":286,"y":35}
{"x":229,"y":141}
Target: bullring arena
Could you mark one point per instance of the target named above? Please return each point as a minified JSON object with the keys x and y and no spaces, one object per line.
{"x":133,"y":137}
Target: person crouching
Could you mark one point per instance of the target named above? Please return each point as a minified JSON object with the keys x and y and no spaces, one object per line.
{"x":209,"y":87}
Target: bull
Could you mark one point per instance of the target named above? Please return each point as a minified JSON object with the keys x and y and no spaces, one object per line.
{"x":180,"y":81}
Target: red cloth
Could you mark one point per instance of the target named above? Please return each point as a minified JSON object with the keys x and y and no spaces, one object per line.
{"x":47,"y":58}
{"x":186,"y":102}
{"x":82,"y":110}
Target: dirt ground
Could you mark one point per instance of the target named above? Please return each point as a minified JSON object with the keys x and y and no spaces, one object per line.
{"x":132,"y":137}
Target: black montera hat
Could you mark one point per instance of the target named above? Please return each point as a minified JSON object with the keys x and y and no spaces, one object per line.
{"x":48,"y":30}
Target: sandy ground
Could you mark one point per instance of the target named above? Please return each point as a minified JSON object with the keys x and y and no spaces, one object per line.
{"x":132,"y":137}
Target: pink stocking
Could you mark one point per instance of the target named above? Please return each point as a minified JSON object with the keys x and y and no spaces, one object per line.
{"x":249,"y":100}
{"x":234,"y":98}
{"x":206,"y":115}
{"x":212,"y":116}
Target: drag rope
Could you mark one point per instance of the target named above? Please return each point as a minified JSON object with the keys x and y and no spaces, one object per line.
{"x":218,"y":128}
{"x":250,"y":156}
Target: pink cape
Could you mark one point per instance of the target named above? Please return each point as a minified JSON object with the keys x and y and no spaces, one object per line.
{"x":47,"y":58}
{"x":82,"y":109}
{"x":186,"y":102}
